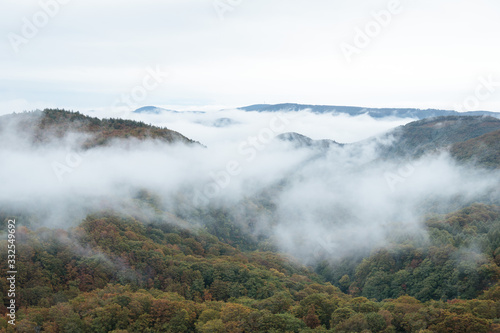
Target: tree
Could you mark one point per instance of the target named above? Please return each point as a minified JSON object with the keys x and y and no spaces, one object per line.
{"x":311,"y":319}
{"x":465,"y":323}
{"x":376,"y":323}
{"x":340,"y":315}
{"x":212,"y":326}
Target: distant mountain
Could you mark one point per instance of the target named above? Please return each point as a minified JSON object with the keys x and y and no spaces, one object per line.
{"x":302,"y":141}
{"x":153,"y":110}
{"x":349,"y":110}
{"x":373,"y":112}
{"x":157,"y":110}
{"x":224,"y":122}
{"x":423,"y":136}
{"x":42,"y":126}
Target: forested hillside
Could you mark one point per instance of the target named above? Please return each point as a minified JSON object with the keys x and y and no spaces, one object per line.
{"x":432,"y":134}
{"x":484,"y":150}
{"x":460,"y":259}
{"x":41,"y":126}
{"x":116,"y":273}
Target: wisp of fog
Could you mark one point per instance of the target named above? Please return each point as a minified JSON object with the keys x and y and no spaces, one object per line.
{"x":320,"y":202}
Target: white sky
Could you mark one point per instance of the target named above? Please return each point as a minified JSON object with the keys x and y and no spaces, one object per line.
{"x":91,"y":52}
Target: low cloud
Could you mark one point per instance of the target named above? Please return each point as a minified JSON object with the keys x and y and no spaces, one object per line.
{"x":319,"y":204}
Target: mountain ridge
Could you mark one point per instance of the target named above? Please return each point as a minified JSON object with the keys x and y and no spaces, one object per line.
{"x":419,"y":137}
{"x":373,"y":112}
{"x":41,"y":126}
{"x":378,"y":113}
{"x":468,"y":139}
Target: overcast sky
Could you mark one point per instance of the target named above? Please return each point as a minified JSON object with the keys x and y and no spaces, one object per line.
{"x":89,"y":54}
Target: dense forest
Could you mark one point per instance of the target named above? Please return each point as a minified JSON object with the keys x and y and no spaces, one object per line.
{"x":116,"y":273}
{"x":484,"y":150}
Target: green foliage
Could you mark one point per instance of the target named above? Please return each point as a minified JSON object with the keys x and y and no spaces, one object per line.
{"x":483,"y":150}
{"x":458,"y":261}
{"x":115,"y":273}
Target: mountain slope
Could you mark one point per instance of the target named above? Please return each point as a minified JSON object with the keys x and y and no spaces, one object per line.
{"x":454,"y":262}
{"x":302,"y":141}
{"x":472,"y":138}
{"x":42,"y":126}
{"x":419,"y":137}
{"x":484,"y":150}
{"x":122,"y":274}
